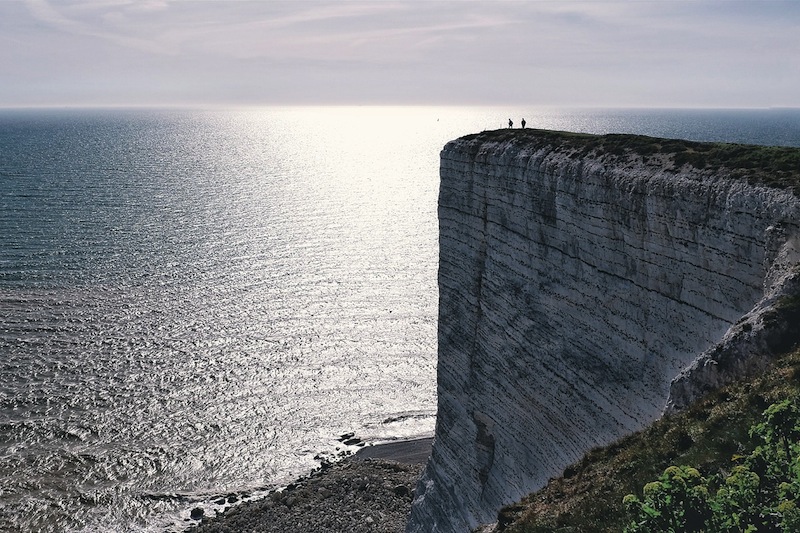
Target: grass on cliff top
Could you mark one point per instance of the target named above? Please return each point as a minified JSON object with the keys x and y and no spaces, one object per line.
{"x":588,"y":498}
{"x":773,"y":166}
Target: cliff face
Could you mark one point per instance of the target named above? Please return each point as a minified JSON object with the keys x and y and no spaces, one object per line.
{"x":574,"y":286}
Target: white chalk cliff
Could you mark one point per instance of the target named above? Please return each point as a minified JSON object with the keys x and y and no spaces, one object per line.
{"x":575,"y":285}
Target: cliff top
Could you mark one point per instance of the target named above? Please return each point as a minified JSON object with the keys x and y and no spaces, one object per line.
{"x":772,"y":166}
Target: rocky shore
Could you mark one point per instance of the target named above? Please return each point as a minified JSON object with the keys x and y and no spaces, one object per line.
{"x":368,"y":492}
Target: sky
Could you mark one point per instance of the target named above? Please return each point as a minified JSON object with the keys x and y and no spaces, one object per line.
{"x":668,"y":53}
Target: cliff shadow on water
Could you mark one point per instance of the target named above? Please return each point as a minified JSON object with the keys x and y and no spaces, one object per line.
{"x":587,"y":283}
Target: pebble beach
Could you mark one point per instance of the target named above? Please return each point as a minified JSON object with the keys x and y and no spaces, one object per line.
{"x":370,"y":491}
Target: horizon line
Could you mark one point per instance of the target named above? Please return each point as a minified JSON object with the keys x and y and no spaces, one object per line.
{"x":219,"y":106}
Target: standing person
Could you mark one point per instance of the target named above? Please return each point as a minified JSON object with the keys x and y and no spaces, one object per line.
{"x":510,"y":123}
{"x":523,"y":123}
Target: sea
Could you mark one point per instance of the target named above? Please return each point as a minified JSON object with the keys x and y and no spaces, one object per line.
{"x":200,"y":305}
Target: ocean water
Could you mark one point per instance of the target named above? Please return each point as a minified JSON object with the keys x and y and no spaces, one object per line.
{"x":201,"y":302}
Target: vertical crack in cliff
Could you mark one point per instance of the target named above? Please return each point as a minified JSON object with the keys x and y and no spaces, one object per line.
{"x":480,"y":275}
{"x":484,"y":446}
{"x":484,"y":440}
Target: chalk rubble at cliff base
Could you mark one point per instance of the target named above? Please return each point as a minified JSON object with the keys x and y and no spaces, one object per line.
{"x":359,"y":496}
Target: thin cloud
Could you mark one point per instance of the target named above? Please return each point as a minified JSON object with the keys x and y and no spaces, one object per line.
{"x":319,"y":30}
{"x":49,"y":15}
{"x":573,"y":53}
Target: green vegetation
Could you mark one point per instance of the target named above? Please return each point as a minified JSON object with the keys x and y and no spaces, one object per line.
{"x":773,"y":166}
{"x":760,"y":494}
{"x":732,"y":435}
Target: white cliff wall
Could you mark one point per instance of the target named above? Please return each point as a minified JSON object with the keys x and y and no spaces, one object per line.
{"x":573,"y":289}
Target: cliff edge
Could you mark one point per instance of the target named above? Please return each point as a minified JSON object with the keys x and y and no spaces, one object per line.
{"x":586,"y":282}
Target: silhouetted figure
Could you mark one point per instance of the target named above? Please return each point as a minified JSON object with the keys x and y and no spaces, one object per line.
{"x":523,"y":123}
{"x":510,"y":123}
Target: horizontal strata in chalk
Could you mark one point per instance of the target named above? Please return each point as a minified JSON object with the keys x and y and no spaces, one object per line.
{"x":578,"y":276}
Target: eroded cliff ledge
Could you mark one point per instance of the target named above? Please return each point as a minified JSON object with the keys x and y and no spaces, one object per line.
{"x":578,"y":276}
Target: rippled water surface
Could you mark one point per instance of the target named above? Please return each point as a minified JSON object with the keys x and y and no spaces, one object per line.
{"x":199,"y":302}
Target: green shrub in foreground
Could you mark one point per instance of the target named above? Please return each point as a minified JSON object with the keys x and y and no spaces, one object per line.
{"x":761,"y":494}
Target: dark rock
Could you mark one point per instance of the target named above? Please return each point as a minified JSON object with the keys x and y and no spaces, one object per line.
{"x":197,"y":513}
{"x":402,"y":491}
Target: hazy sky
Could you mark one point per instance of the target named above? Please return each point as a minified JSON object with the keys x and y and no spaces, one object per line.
{"x":156,"y":52}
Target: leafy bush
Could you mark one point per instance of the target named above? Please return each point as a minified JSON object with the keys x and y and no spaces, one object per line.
{"x":678,"y":501}
{"x":759,"y":495}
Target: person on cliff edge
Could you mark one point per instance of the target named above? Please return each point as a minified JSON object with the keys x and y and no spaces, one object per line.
{"x":510,"y":124}
{"x":523,"y":123}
